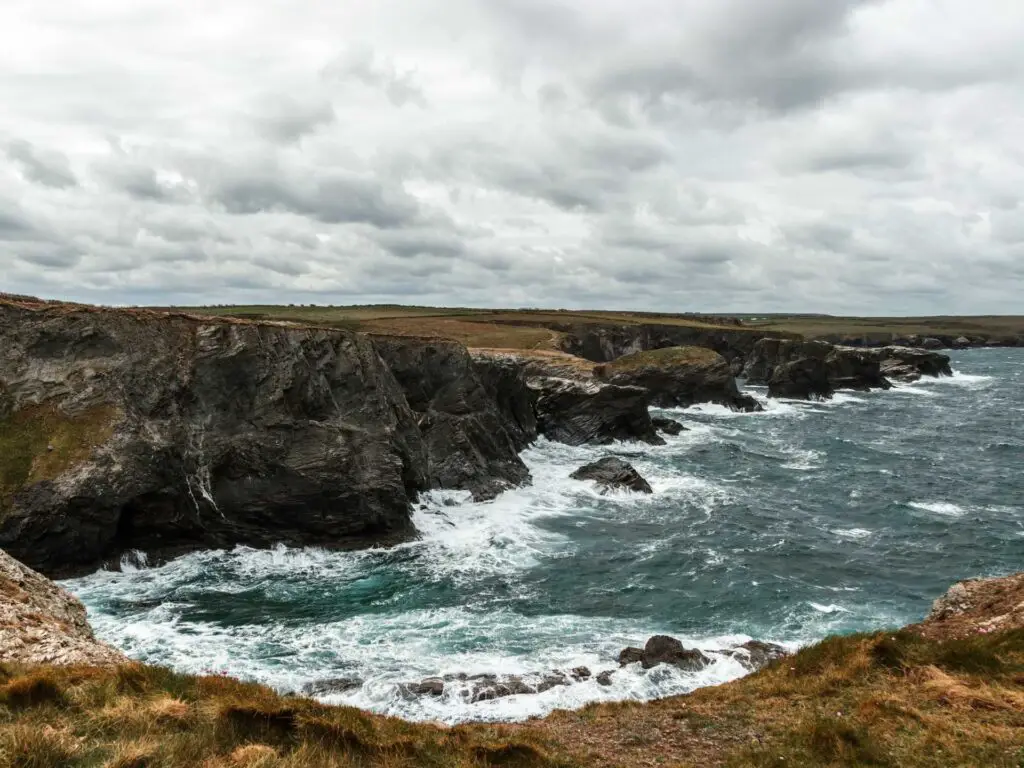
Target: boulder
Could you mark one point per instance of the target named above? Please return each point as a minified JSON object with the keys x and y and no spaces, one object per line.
{"x":930,"y":343}
{"x":578,"y":412}
{"x":605,"y":678}
{"x":961,"y":342}
{"x":755,"y":654}
{"x":612,"y":473}
{"x":679,"y":377}
{"x":667,"y":426}
{"x":40,"y":623}
{"x":331,"y":686}
{"x":662,"y":649}
{"x":630,"y":655}
{"x":430,"y":686}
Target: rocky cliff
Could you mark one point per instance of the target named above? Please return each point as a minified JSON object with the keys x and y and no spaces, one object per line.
{"x":126,"y":430}
{"x":679,"y":377}
{"x":40,"y":623}
{"x":606,"y":342}
{"x":804,"y":369}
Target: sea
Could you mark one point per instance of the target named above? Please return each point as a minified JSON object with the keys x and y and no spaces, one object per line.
{"x":809,"y":519}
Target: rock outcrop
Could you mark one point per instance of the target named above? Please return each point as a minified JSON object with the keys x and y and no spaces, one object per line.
{"x":590,"y":412}
{"x":462,"y":425}
{"x":601,"y":342}
{"x":812,"y":369}
{"x":679,"y":377}
{"x":40,"y":623}
{"x":613,"y":473}
{"x":816,"y":369}
{"x":910,"y":363}
{"x":667,"y":426}
{"x":573,"y":407}
{"x":976,"y":606}
{"x":662,"y":649}
{"x":124,"y":429}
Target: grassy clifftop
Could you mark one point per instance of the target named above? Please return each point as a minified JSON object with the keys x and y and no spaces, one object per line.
{"x":885,"y":699}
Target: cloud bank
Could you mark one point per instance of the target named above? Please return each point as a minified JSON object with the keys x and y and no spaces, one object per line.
{"x":851,"y":156}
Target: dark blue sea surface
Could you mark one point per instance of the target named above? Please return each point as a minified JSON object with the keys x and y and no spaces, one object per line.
{"x":805,"y":520}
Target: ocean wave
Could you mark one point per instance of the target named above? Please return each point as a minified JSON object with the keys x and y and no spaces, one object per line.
{"x":852,"y":533}
{"x":943,"y":508}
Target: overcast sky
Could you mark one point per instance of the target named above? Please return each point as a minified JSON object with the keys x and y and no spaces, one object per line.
{"x":846,"y":156}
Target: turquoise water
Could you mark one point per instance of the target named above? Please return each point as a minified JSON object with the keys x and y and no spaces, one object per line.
{"x":805,"y":520}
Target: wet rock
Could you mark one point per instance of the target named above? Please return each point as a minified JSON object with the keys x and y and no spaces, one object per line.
{"x":605,"y":678}
{"x":961,"y":342}
{"x":630,"y":655}
{"x":911,"y":363}
{"x":612,"y":473}
{"x":812,"y":369}
{"x":579,"y":412}
{"x":679,"y":377}
{"x":755,"y":654}
{"x":430,"y":686}
{"x":472,"y":443}
{"x":331,"y":686}
{"x":668,"y":426}
{"x":662,"y":649}
{"x":580,"y":673}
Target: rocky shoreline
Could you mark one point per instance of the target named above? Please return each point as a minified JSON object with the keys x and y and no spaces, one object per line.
{"x":131,"y":430}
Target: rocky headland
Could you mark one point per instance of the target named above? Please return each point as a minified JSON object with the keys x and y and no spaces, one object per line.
{"x":130,"y":430}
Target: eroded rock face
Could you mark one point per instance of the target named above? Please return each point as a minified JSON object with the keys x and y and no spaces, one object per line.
{"x":612,"y":473}
{"x":127,"y":430}
{"x":589,"y":412}
{"x":976,"y":606}
{"x":571,"y":406}
{"x":812,"y":369}
{"x":679,"y":377}
{"x":667,"y":426}
{"x":40,"y":623}
{"x":910,"y":363}
{"x":463,"y":428}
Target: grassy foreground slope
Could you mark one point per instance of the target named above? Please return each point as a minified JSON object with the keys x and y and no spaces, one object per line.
{"x":887,"y":699}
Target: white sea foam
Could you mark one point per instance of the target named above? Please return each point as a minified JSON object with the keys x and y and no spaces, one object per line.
{"x":944,"y":508}
{"x":831,"y":608}
{"x":852,"y":533}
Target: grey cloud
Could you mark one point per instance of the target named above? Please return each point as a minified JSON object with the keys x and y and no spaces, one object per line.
{"x":138,"y":180}
{"x":361,"y":64}
{"x":285,"y":119}
{"x":45,"y":167}
{"x":14,"y":226}
{"x":333,"y":197}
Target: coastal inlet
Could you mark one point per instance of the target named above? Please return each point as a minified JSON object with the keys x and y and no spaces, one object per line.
{"x":785,"y":525}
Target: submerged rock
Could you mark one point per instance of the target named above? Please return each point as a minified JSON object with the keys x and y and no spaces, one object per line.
{"x":755,"y":654}
{"x":331,"y":686}
{"x":679,"y":377}
{"x":612,"y":473}
{"x":40,"y":623}
{"x":430,"y":686}
{"x":668,"y":426}
{"x":605,"y":678}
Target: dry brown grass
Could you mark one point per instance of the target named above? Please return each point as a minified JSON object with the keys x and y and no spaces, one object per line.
{"x":666,"y":357}
{"x":898,"y":700}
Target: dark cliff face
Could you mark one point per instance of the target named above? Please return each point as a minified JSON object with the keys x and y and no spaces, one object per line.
{"x":125,"y":431}
{"x":604,"y":343}
{"x":473,"y":421}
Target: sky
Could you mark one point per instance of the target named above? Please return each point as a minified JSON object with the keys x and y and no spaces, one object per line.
{"x":841,"y":156}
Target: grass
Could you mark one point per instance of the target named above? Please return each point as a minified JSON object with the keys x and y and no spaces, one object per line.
{"x":884,"y":699}
{"x":880,"y":329}
{"x":41,"y":442}
{"x":659,"y":358}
